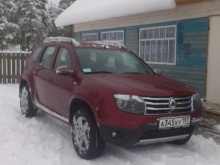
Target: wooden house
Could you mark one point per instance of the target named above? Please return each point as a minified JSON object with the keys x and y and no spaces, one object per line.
{"x":184,"y":42}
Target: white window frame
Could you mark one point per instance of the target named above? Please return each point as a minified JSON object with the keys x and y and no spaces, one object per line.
{"x":89,"y":34}
{"x":159,"y":39}
{"x":109,"y":32}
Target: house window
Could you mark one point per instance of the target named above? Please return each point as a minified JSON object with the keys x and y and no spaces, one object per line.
{"x":158,"y":45}
{"x":113,"y":36}
{"x":90,"y":37}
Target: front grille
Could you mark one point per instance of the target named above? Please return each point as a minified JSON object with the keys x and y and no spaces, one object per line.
{"x":165,"y":133}
{"x":155,"y":105}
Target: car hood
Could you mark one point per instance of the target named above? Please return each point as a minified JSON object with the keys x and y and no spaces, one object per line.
{"x":144,"y":85}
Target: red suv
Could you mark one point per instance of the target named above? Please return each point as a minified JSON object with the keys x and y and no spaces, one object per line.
{"x":107,"y":94}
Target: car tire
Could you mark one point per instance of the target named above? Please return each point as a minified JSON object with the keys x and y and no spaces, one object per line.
{"x":26,"y":105}
{"x":85,"y":136}
{"x":180,"y":142}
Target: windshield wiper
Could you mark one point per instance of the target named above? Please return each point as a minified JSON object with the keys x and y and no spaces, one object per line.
{"x":131,"y":73}
{"x":100,"y":72}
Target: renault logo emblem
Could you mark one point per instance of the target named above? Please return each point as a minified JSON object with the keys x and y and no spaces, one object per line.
{"x":172,"y":103}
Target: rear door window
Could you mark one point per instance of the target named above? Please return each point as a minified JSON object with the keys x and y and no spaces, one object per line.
{"x":47,"y":56}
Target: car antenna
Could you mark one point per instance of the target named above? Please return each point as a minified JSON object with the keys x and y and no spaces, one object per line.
{"x":91,"y":24}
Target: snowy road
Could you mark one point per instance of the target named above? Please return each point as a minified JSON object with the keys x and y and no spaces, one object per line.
{"x":47,"y":141}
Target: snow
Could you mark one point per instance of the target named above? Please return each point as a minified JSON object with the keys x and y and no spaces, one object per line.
{"x":54,"y":1}
{"x":47,"y":141}
{"x":93,"y":10}
{"x":217,"y":127}
{"x":60,"y":39}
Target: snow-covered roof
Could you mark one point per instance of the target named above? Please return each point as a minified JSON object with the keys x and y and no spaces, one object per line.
{"x":93,"y":10}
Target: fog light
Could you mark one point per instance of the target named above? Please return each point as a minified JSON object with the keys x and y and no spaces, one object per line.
{"x":114,"y":134}
{"x":117,"y":134}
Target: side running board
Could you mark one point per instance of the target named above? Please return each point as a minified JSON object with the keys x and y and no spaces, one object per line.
{"x":45,"y":109}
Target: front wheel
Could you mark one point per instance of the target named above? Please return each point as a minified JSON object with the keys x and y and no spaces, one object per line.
{"x":85,"y":136}
{"x":26,"y":105}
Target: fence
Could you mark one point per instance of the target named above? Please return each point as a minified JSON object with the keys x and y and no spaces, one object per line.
{"x":11,"y":66}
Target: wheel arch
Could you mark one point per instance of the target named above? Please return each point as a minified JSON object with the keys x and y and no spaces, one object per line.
{"x":77,"y":103}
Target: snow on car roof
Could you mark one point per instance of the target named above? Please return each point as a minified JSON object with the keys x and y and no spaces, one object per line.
{"x":106,"y":44}
{"x":93,"y":10}
{"x":62,"y":39}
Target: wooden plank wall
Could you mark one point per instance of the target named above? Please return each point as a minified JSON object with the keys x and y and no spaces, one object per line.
{"x":11,"y":66}
{"x":191,"y":54}
{"x":191,"y":50}
{"x":131,"y":39}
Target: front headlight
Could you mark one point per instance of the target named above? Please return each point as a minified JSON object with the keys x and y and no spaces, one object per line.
{"x":196,"y":102}
{"x":130,"y":104}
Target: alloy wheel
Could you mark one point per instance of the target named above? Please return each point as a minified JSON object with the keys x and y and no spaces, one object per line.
{"x":81,"y":133}
{"x":24,"y":100}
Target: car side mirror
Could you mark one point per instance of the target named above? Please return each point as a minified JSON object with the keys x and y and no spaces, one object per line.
{"x":64,"y":71}
{"x":157,"y":72}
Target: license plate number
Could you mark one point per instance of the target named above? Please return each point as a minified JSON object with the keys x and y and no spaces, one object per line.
{"x":166,"y":123}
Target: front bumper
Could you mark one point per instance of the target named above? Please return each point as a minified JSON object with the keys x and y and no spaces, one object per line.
{"x":147,"y":133}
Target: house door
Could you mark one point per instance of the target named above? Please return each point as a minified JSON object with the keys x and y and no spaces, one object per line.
{"x":213,"y":70}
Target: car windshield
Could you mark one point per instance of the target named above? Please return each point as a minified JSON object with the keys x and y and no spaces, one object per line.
{"x":94,"y":61}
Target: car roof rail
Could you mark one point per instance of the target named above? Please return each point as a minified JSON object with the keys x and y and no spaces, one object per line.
{"x":107,"y":43}
{"x":62,"y":39}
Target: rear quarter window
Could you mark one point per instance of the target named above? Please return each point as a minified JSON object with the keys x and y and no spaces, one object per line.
{"x":36,"y":53}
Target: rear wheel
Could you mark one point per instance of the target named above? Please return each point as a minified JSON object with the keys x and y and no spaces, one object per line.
{"x":26,"y":105}
{"x":85,"y":136}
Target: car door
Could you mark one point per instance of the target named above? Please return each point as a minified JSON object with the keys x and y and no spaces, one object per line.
{"x":61,"y":87}
{"x":41,"y":75}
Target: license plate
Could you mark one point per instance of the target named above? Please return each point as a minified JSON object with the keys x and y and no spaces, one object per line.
{"x":174,"y":122}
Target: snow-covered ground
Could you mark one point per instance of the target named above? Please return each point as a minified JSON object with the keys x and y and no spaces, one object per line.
{"x":54,"y":1}
{"x":47,"y":141}
{"x":217,"y":127}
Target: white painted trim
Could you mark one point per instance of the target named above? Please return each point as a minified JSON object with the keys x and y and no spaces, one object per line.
{"x":213,"y":58}
{"x":147,"y":28}
{"x":19,"y":52}
{"x":159,"y":39}
{"x":115,"y":31}
{"x":89,"y":34}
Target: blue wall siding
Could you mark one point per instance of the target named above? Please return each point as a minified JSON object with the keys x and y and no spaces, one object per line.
{"x":191,"y":54}
{"x":78,"y":36}
{"x":191,"y":51}
{"x":132,"y":39}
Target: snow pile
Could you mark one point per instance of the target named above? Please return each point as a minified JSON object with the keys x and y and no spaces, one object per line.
{"x":54,"y":1}
{"x":217,"y":127}
{"x":47,"y":141}
{"x":93,"y":10}
{"x":204,"y":147}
